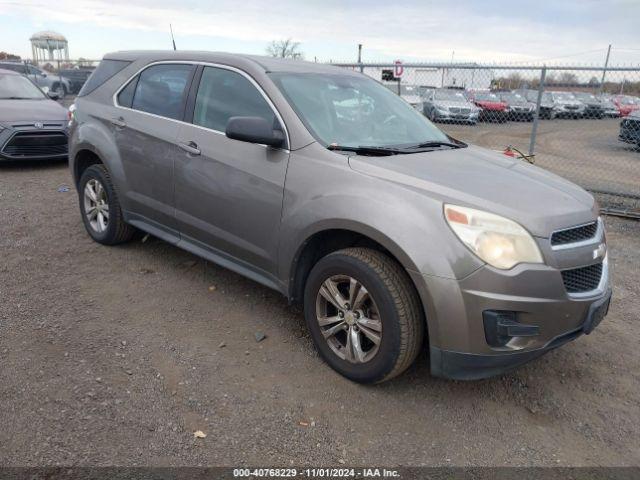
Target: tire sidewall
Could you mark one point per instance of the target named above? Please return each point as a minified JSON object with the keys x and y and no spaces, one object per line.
{"x":389,"y":350}
{"x":97,"y":173}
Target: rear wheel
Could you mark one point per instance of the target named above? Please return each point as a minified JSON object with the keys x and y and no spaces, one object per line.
{"x":100,"y":208}
{"x":363,"y":314}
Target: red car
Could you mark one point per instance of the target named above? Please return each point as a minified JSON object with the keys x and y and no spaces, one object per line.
{"x":626,"y":104}
{"x":492,"y":108}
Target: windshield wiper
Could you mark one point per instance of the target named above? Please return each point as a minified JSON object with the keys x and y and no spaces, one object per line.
{"x":437,"y":143}
{"x":16,"y":98}
{"x":367,"y":150}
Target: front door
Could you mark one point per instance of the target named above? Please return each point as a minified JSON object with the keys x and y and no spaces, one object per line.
{"x":228,"y":193}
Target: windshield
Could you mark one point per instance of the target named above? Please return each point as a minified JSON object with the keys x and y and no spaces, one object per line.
{"x":354,"y":111}
{"x":18,"y":87}
{"x":452,"y":95}
{"x":586,"y":96}
{"x":629,"y":101}
{"x":486,"y":97}
{"x":564,"y":96}
{"x":512,"y":97}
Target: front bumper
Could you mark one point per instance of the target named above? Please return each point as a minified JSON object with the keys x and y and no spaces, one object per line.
{"x":567,"y":112}
{"x":536,"y":296}
{"x":443,"y":115}
{"x":470,"y":366}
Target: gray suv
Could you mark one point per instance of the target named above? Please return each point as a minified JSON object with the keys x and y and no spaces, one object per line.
{"x":322,"y":184}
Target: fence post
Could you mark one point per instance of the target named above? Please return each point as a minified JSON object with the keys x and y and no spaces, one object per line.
{"x":536,"y":119}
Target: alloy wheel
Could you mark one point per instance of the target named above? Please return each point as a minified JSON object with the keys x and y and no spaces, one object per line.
{"x":96,"y":206}
{"x":349,"y":319}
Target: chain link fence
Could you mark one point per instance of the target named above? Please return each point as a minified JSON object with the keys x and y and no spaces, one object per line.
{"x":580,"y":122}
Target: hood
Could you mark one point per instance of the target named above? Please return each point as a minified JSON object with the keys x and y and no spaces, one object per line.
{"x":31,"y":110}
{"x":569,"y":102}
{"x":478,"y":178}
{"x":489,"y":105}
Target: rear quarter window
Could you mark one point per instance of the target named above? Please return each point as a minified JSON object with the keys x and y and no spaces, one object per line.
{"x":106,"y":70}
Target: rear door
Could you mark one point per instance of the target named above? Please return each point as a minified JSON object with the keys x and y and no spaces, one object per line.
{"x":228,"y":193}
{"x":151,"y":107}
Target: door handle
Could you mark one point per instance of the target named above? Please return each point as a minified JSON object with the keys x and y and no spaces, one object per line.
{"x":119,"y":122}
{"x":190,"y":147}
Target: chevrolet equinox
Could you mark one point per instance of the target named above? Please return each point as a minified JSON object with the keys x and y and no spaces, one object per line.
{"x":324,"y":185}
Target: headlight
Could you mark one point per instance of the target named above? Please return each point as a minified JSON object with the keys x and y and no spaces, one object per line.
{"x":500,"y":242}
{"x":442,"y":109}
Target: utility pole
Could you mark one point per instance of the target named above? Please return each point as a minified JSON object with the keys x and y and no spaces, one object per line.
{"x":360,"y":57}
{"x":606,"y":64}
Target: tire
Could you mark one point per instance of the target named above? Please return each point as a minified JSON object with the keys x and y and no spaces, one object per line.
{"x":60,"y":89}
{"x":385,"y":307}
{"x":107,"y":225}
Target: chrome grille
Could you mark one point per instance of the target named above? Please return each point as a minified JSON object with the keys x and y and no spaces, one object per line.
{"x":460,"y":110}
{"x":36,"y":144}
{"x":583,"y":279}
{"x":574,"y":235}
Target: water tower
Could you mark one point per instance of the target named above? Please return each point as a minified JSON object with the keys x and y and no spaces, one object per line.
{"x":49,"y":46}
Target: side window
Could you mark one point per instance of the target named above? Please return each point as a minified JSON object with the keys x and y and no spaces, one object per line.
{"x":223,"y":94}
{"x":125,"y":97}
{"x":162,"y":90}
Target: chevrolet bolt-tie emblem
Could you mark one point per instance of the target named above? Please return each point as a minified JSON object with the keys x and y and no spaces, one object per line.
{"x":38,"y":125}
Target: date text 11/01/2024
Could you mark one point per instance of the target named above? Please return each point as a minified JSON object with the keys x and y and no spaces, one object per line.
{"x":316,"y":473}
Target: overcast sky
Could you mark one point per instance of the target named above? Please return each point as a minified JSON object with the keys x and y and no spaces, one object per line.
{"x":574,"y":31}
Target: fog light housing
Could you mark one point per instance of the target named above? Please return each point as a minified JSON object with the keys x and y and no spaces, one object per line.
{"x":501,"y":326}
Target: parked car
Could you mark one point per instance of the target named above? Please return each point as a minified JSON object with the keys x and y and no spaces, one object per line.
{"x":547,"y":110}
{"x":390,"y":233}
{"x":609,"y":108}
{"x":518,"y":107}
{"x":626,"y":104}
{"x":445,"y":104}
{"x":566,"y":105}
{"x":76,"y":78}
{"x":592,"y":105}
{"x":492,"y":109}
{"x":32,"y":126}
{"x":630,"y":128}
{"x":409,"y":93}
{"x":44,"y":80}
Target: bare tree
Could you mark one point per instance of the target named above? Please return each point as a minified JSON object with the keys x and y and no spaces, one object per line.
{"x":284,"y":49}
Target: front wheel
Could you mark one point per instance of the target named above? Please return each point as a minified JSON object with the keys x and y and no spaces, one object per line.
{"x":363,"y":314}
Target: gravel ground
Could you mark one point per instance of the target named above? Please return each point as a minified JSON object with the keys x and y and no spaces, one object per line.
{"x":116,"y":355}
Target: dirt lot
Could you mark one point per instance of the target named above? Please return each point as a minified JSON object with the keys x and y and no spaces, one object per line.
{"x":115,"y":356}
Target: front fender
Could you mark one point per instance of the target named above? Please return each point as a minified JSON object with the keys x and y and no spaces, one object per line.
{"x":324,"y":195}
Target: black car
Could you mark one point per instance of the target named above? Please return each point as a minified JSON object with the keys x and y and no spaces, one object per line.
{"x":593,"y":105}
{"x":547,"y":105}
{"x":630,"y":128}
{"x":77,"y":78}
{"x":518,"y":107}
{"x":32,"y":126}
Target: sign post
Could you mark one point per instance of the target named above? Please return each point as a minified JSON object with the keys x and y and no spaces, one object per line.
{"x":398,"y":70}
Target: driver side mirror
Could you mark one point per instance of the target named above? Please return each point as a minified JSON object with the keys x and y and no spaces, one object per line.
{"x":254,"y":130}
